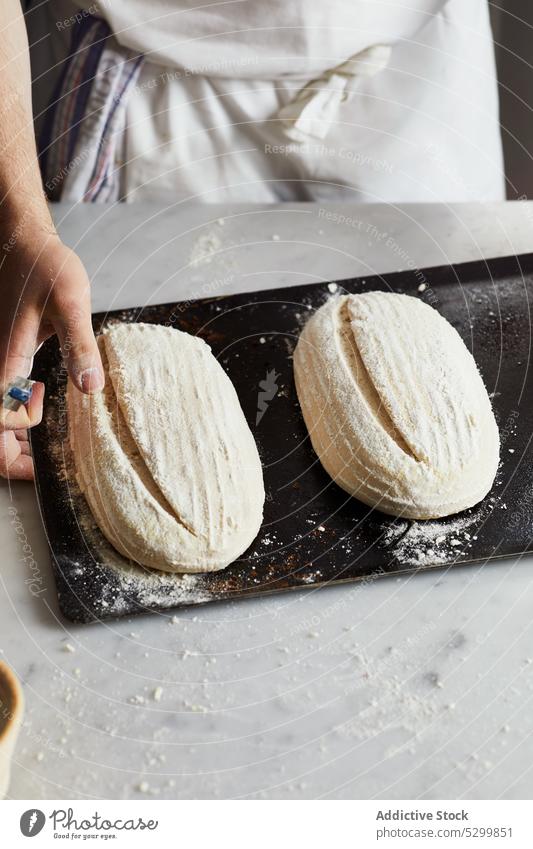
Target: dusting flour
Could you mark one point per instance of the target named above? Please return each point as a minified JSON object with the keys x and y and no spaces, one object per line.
{"x":435,"y":543}
{"x":205,"y":248}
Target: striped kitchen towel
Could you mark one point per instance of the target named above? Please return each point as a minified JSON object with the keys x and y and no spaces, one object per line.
{"x":80,"y":147}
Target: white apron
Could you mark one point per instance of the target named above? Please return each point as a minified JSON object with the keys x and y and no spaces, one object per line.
{"x":265,"y":100}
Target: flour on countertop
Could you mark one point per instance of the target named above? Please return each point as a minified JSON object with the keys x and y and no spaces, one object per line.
{"x":205,"y":248}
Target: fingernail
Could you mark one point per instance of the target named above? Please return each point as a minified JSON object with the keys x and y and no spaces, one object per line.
{"x":92,"y":380}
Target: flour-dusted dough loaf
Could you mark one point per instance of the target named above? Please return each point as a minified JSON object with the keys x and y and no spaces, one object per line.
{"x":395,"y":406}
{"x":164,"y":455}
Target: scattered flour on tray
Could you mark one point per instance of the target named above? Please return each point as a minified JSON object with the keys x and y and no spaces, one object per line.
{"x":434,"y":543}
{"x":147,"y":587}
{"x":134,"y":583}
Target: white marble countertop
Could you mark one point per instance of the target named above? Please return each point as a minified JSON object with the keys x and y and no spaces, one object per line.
{"x":409,"y":687}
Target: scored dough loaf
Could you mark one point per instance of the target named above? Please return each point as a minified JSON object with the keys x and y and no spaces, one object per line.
{"x":395,"y":406}
{"x":164,"y":455}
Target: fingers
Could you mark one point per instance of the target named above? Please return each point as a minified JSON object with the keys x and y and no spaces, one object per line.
{"x":16,"y":354}
{"x":27,"y":415}
{"x":18,"y":342}
{"x":78,"y":345}
{"x":23,"y":441}
{"x":15,"y":460}
{"x":15,"y":455}
{"x":47,"y":291}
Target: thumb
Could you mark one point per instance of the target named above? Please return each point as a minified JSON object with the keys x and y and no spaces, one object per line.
{"x":79,"y":348}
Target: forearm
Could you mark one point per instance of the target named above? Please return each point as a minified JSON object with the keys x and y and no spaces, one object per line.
{"x":21,"y":192}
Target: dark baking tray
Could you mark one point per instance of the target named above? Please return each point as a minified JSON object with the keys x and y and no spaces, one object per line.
{"x":312,"y":534}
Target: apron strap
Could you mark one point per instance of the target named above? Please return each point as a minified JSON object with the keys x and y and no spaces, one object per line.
{"x":312,"y":112}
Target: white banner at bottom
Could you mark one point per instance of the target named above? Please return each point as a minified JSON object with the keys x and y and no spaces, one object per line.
{"x":268,"y":824}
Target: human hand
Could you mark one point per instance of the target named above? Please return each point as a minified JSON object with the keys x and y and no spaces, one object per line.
{"x":45,"y":290}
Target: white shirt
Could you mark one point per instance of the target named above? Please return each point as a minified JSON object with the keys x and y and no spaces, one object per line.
{"x":252,"y":100}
